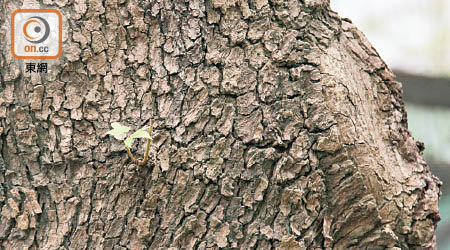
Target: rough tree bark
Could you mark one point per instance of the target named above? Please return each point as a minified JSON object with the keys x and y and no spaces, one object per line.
{"x":277,"y":126}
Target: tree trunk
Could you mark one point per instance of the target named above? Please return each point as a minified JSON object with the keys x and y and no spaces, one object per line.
{"x":277,"y":126}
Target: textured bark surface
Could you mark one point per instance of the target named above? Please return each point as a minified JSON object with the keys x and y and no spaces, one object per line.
{"x":277,"y":126}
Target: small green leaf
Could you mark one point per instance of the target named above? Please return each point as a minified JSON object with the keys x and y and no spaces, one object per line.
{"x":128,"y":142}
{"x":118,"y":129}
{"x":141,"y":133}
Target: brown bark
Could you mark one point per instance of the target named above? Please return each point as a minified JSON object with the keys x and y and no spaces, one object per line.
{"x":277,"y":125}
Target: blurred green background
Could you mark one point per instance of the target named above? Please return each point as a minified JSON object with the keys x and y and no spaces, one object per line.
{"x":413,"y":37}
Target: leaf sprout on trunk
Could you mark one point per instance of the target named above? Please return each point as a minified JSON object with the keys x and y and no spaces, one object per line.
{"x":119,"y":130}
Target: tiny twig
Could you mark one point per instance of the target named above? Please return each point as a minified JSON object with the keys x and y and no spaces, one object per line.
{"x":150,"y":129}
{"x":130,"y":154}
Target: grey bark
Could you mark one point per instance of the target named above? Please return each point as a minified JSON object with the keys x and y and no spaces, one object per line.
{"x":277,"y":126}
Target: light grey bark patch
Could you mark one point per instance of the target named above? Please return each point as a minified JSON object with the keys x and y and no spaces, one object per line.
{"x":249,"y":128}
